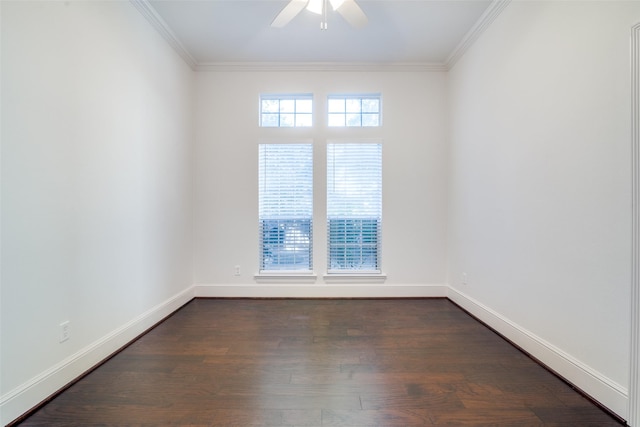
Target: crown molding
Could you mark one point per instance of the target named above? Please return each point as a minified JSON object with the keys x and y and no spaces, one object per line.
{"x":492,"y":12}
{"x":145,"y":8}
{"x":319,"y":66}
{"x":489,"y":15}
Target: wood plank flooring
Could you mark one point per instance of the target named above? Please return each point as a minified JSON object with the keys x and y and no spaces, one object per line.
{"x":404,"y":362}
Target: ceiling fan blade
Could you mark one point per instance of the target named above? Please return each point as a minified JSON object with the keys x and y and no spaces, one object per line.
{"x":350,"y":11}
{"x":288,"y":13}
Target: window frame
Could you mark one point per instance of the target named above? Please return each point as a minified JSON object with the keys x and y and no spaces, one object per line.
{"x":280,"y":97}
{"x":334,"y":274}
{"x":359,"y":113}
{"x":271,"y":274}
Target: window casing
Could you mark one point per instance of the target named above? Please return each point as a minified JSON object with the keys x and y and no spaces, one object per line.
{"x":285,"y":207}
{"x":354,"y":110}
{"x":354,"y":207}
{"x":286,"y":110}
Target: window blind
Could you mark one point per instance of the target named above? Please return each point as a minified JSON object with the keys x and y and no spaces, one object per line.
{"x":354,"y":206}
{"x":285,"y":206}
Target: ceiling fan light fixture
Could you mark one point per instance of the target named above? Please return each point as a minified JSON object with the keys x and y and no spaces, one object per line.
{"x":315,"y":6}
{"x":349,"y":10}
{"x":335,"y":4}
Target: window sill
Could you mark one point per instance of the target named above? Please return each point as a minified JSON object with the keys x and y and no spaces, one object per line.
{"x":367,"y":278}
{"x":280,"y":277}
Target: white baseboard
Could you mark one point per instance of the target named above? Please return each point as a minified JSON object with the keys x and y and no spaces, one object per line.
{"x":602,"y":389}
{"x":23,"y":398}
{"x":320,"y":291}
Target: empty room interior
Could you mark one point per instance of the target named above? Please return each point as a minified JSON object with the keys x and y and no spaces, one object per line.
{"x":498,"y":139}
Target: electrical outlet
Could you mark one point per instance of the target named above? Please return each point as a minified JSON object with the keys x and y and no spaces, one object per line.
{"x":464,"y":278}
{"x":65,"y":331}
{"x":236,"y":270}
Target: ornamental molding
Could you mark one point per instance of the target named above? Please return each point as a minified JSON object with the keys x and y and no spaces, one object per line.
{"x":492,"y":12}
{"x":148,"y":11}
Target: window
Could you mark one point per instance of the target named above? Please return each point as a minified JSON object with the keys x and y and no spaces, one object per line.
{"x":354,"y":111}
{"x":286,"y":110}
{"x":285,"y":206}
{"x":354,"y":207}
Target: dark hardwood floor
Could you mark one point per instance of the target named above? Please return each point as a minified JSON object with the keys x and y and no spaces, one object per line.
{"x":404,"y":362}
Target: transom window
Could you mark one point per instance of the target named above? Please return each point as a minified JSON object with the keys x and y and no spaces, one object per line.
{"x":354,"y":110}
{"x":286,"y":110}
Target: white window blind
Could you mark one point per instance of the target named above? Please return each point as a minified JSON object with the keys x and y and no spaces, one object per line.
{"x":285,"y":206}
{"x":354,"y":207}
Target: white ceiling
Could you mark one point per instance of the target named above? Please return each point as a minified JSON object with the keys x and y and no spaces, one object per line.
{"x":239,"y":31}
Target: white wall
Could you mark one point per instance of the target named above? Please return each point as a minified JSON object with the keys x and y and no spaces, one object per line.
{"x":540,"y":186}
{"x":96,"y":188}
{"x":414,"y":174}
{"x":97,"y":197}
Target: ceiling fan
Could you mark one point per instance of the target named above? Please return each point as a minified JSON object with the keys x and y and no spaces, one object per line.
{"x":349,"y":10}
